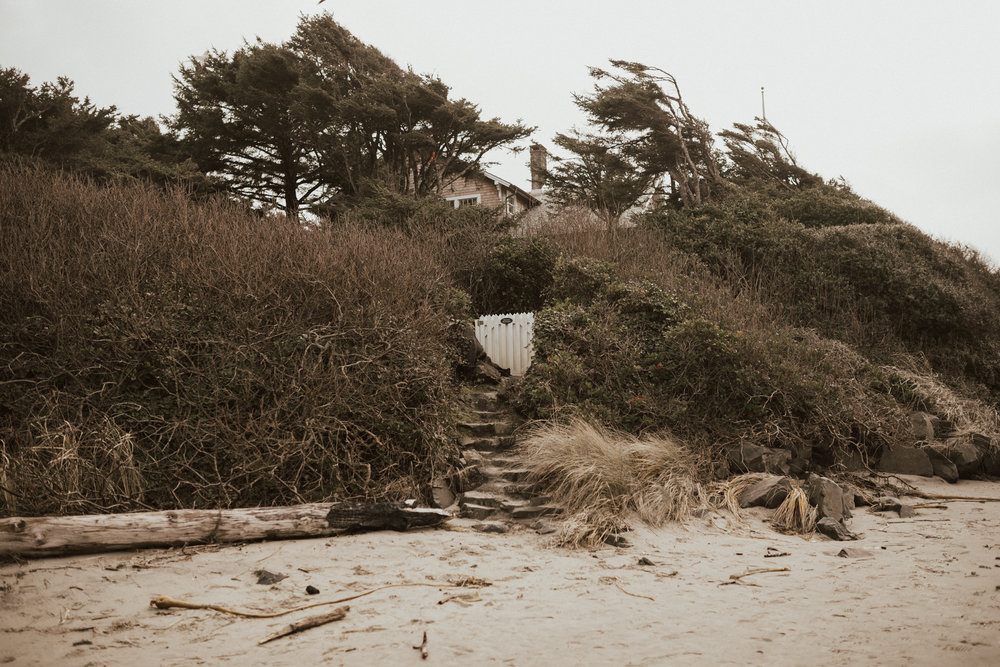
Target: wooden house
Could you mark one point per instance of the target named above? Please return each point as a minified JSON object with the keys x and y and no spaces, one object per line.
{"x":494,"y":192}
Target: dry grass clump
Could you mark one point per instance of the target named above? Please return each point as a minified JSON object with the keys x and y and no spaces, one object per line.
{"x":160,"y":353}
{"x":601,"y":476}
{"x":795,"y":514}
{"x":734,"y":488}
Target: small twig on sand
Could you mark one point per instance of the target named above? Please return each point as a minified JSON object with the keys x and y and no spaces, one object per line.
{"x":635,"y":595}
{"x":464,"y":599}
{"x":614,"y":581}
{"x":735,"y":578}
{"x":423,"y":647}
{"x":306,"y":623}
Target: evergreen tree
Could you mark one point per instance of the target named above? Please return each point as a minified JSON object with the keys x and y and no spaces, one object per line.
{"x":318,"y":121}
{"x":644,"y":137}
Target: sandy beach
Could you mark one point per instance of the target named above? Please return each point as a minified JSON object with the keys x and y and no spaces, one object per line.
{"x":927,"y":592}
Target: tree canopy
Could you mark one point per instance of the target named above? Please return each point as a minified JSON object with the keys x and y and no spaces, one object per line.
{"x":52,"y":125}
{"x":760,"y":152}
{"x":644,"y":137}
{"x":318,"y":121}
{"x":645,"y":143}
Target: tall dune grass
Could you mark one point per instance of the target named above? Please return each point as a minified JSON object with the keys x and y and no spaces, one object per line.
{"x":601,"y":477}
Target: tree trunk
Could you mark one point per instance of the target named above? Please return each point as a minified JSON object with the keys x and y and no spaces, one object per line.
{"x":60,"y":535}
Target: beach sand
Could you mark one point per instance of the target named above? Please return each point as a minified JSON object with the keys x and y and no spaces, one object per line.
{"x":929,"y":594}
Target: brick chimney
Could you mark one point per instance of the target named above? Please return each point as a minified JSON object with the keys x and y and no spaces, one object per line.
{"x":538,"y":166}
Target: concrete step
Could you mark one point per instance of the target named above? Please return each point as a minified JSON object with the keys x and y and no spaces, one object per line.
{"x":483,"y":498}
{"x":502,"y":473}
{"x":487,"y":428}
{"x":474,"y":457}
{"x":501,"y":460}
{"x":488,"y":444}
{"x":512,"y":474}
{"x":477,"y":442}
{"x":535,"y":511}
{"x":479,"y":512}
{"x":512,"y":505}
{"x":482,"y":445}
{"x":502,"y":487}
{"x":486,"y":400}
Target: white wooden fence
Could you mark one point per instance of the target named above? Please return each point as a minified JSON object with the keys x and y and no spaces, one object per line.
{"x":507,"y":339}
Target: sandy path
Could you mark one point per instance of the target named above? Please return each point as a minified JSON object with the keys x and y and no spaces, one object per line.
{"x":929,"y":594}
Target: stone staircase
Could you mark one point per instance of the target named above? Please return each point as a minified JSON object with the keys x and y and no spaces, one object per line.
{"x":493,"y":485}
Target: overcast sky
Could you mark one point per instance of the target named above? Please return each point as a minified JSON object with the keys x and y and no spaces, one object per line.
{"x":901,"y":98}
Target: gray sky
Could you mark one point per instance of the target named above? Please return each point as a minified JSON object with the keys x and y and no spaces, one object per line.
{"x":900,"y":98}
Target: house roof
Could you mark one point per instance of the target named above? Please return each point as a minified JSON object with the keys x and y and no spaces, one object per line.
{"x":535,"y":201}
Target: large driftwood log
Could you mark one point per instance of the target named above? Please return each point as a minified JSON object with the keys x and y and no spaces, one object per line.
{"x":60,"y":535}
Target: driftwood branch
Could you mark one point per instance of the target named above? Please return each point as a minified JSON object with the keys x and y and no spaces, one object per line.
{"x":56,"y":536}
{"x":736,"y":578}
{"x":306,"y":623}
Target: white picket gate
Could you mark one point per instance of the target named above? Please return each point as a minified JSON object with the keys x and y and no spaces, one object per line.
{"x":507,"y":339}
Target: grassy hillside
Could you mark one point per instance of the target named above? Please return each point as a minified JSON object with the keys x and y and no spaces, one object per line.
{"x":811,"y":321}
{"x":159,"y":353}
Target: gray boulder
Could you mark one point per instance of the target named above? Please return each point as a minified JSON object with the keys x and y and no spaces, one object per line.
{"x":904,"y":460}
{"x":768,"y":492}
{"x":748,"y":457}
{"x":849,"y":494}
{"x":886,"y":504}
{"x":441,"y":494}
{"x":943,"y":466}
{"x":486,"y":370}
{"x":470,"y":349}
{"x":835,"y":530}
{"x":989,"y":453}
{"x":966,"y":457}
{"x":828,"y":498}
{"x":922,"y":425}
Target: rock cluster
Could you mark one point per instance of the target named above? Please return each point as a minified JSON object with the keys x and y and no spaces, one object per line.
{"x":939,"y":450}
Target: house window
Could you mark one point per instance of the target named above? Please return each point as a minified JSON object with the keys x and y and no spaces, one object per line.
{"x":511,"y":203}
{"x":469,"y":200}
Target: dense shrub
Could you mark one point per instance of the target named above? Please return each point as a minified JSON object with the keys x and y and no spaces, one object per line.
{"x":515,"y":276}
{"x":828,"y":206}
{"x":630,"y":355}
{"x":887,"y":288}
{"x":161,"y":354}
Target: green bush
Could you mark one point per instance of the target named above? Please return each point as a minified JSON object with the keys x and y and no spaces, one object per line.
{"x":515,"y":276}
{"x":829,"y":206}
{"x":886,"y":288}
{"x":635,"y":358}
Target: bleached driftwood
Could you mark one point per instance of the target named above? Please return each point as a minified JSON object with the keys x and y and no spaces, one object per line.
{"x":59,"y":535}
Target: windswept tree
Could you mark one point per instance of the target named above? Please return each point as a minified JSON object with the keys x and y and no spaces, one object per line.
{"x":645,"y":137}
{"x":49,"y":121}
{"x":319,"y":120}
{"x":52,"y":125}
{"x":255,"y":120}
{"x":759,"y":152}
{"x":604,"y":174}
